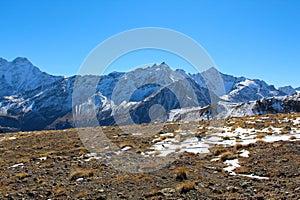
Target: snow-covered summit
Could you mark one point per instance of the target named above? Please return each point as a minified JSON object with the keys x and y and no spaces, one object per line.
{"x":21,"y":75}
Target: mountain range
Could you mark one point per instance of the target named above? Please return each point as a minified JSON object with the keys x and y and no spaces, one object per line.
{"x":34,"y":100}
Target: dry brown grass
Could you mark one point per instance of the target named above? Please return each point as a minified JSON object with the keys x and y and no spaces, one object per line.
{"x":172,"y":127}
{"x":286,"y":130}
{"x":153,"y":193}
{"x":81,"y":173}
{"x":260,"y":135}
{"x":259,"y":125}
{"x":201,"y":132}
{"x":138,"y":150}
{"x":60,"y":191}
{"x":260,"y":141}
{"x":180,"y":173}
{"x":81,"y":193}
{"x":242,"y":170}
{"x":21,"y":175}
{"x":227,"y":156}
{"x":293,"y":137}
{"x":238,"y":140}
{"x":126,"y":144}
{"x":163,"y":137}
{"x":185,"y":186}
{"x":142,"y":177}
{"x":83,"y":151}
{"x":226,"y":137}
{"x":119,"y":179}
{"x":218,"y":150}
{"x":238,"y":146}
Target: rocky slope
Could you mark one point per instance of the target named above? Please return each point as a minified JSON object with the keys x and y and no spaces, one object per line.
{"x":255,"y":157}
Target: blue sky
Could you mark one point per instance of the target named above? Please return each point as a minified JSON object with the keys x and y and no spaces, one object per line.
{"x":252,"y":38}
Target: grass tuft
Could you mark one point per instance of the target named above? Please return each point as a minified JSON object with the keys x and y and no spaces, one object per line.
{"x":185,"y":186}
{"x":218,"y":150}
{"x":181,"y":173}
{"x":260,"y":135}
{"x":21,"y":175}
{"x":81,"y":173}
{"x":227,"y":156}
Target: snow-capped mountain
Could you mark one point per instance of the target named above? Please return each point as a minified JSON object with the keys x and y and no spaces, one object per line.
{"x":20,"y":76}
{"x":239,"y":89}
{"x":223,"y":109}
{"x":34,"y":100}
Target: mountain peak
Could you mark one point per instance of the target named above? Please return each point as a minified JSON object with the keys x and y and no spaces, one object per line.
{"x":162,"y":65}
{"x":21,"y":60}
{"x":20,"y":75}
{"x":2,"y":60}
{"x":211,"y":70}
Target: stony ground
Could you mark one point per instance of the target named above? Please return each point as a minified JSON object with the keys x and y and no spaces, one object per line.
{"x":244,"y":161}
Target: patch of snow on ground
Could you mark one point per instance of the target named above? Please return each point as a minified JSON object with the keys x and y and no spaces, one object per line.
{"x":126,"y":148}
{"x":16,"y":165}
{"x":167,"y":134}
{"x":297,"y":121}
{"x":232,"y":165}
{"x":137,"y":134}
{"x":79,"y":179}
{"x":215,"y":159}
{"x":276,"y":138}
{"x":172,"y":145}
{"x":43,"y":158}
{"x":244,"y":153}
{"x":247,"y":136}
{"x":91,"y":156}
{"x":254,"y":176}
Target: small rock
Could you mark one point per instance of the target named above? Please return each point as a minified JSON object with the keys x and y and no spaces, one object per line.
{"x":260,"y":197}
{"x":79,"y":179}
{"x":232,"y":189}
{"x":167,"y":191}
{"x":246,"y":184}
{"x":101,"y":190}
{"x":101,"y":198}
{"x":31,"y":194}
{"x":288,"y":128}
{"x":276,"y":145}
{"x":48,"y":193}
{"x":215,"y":190}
